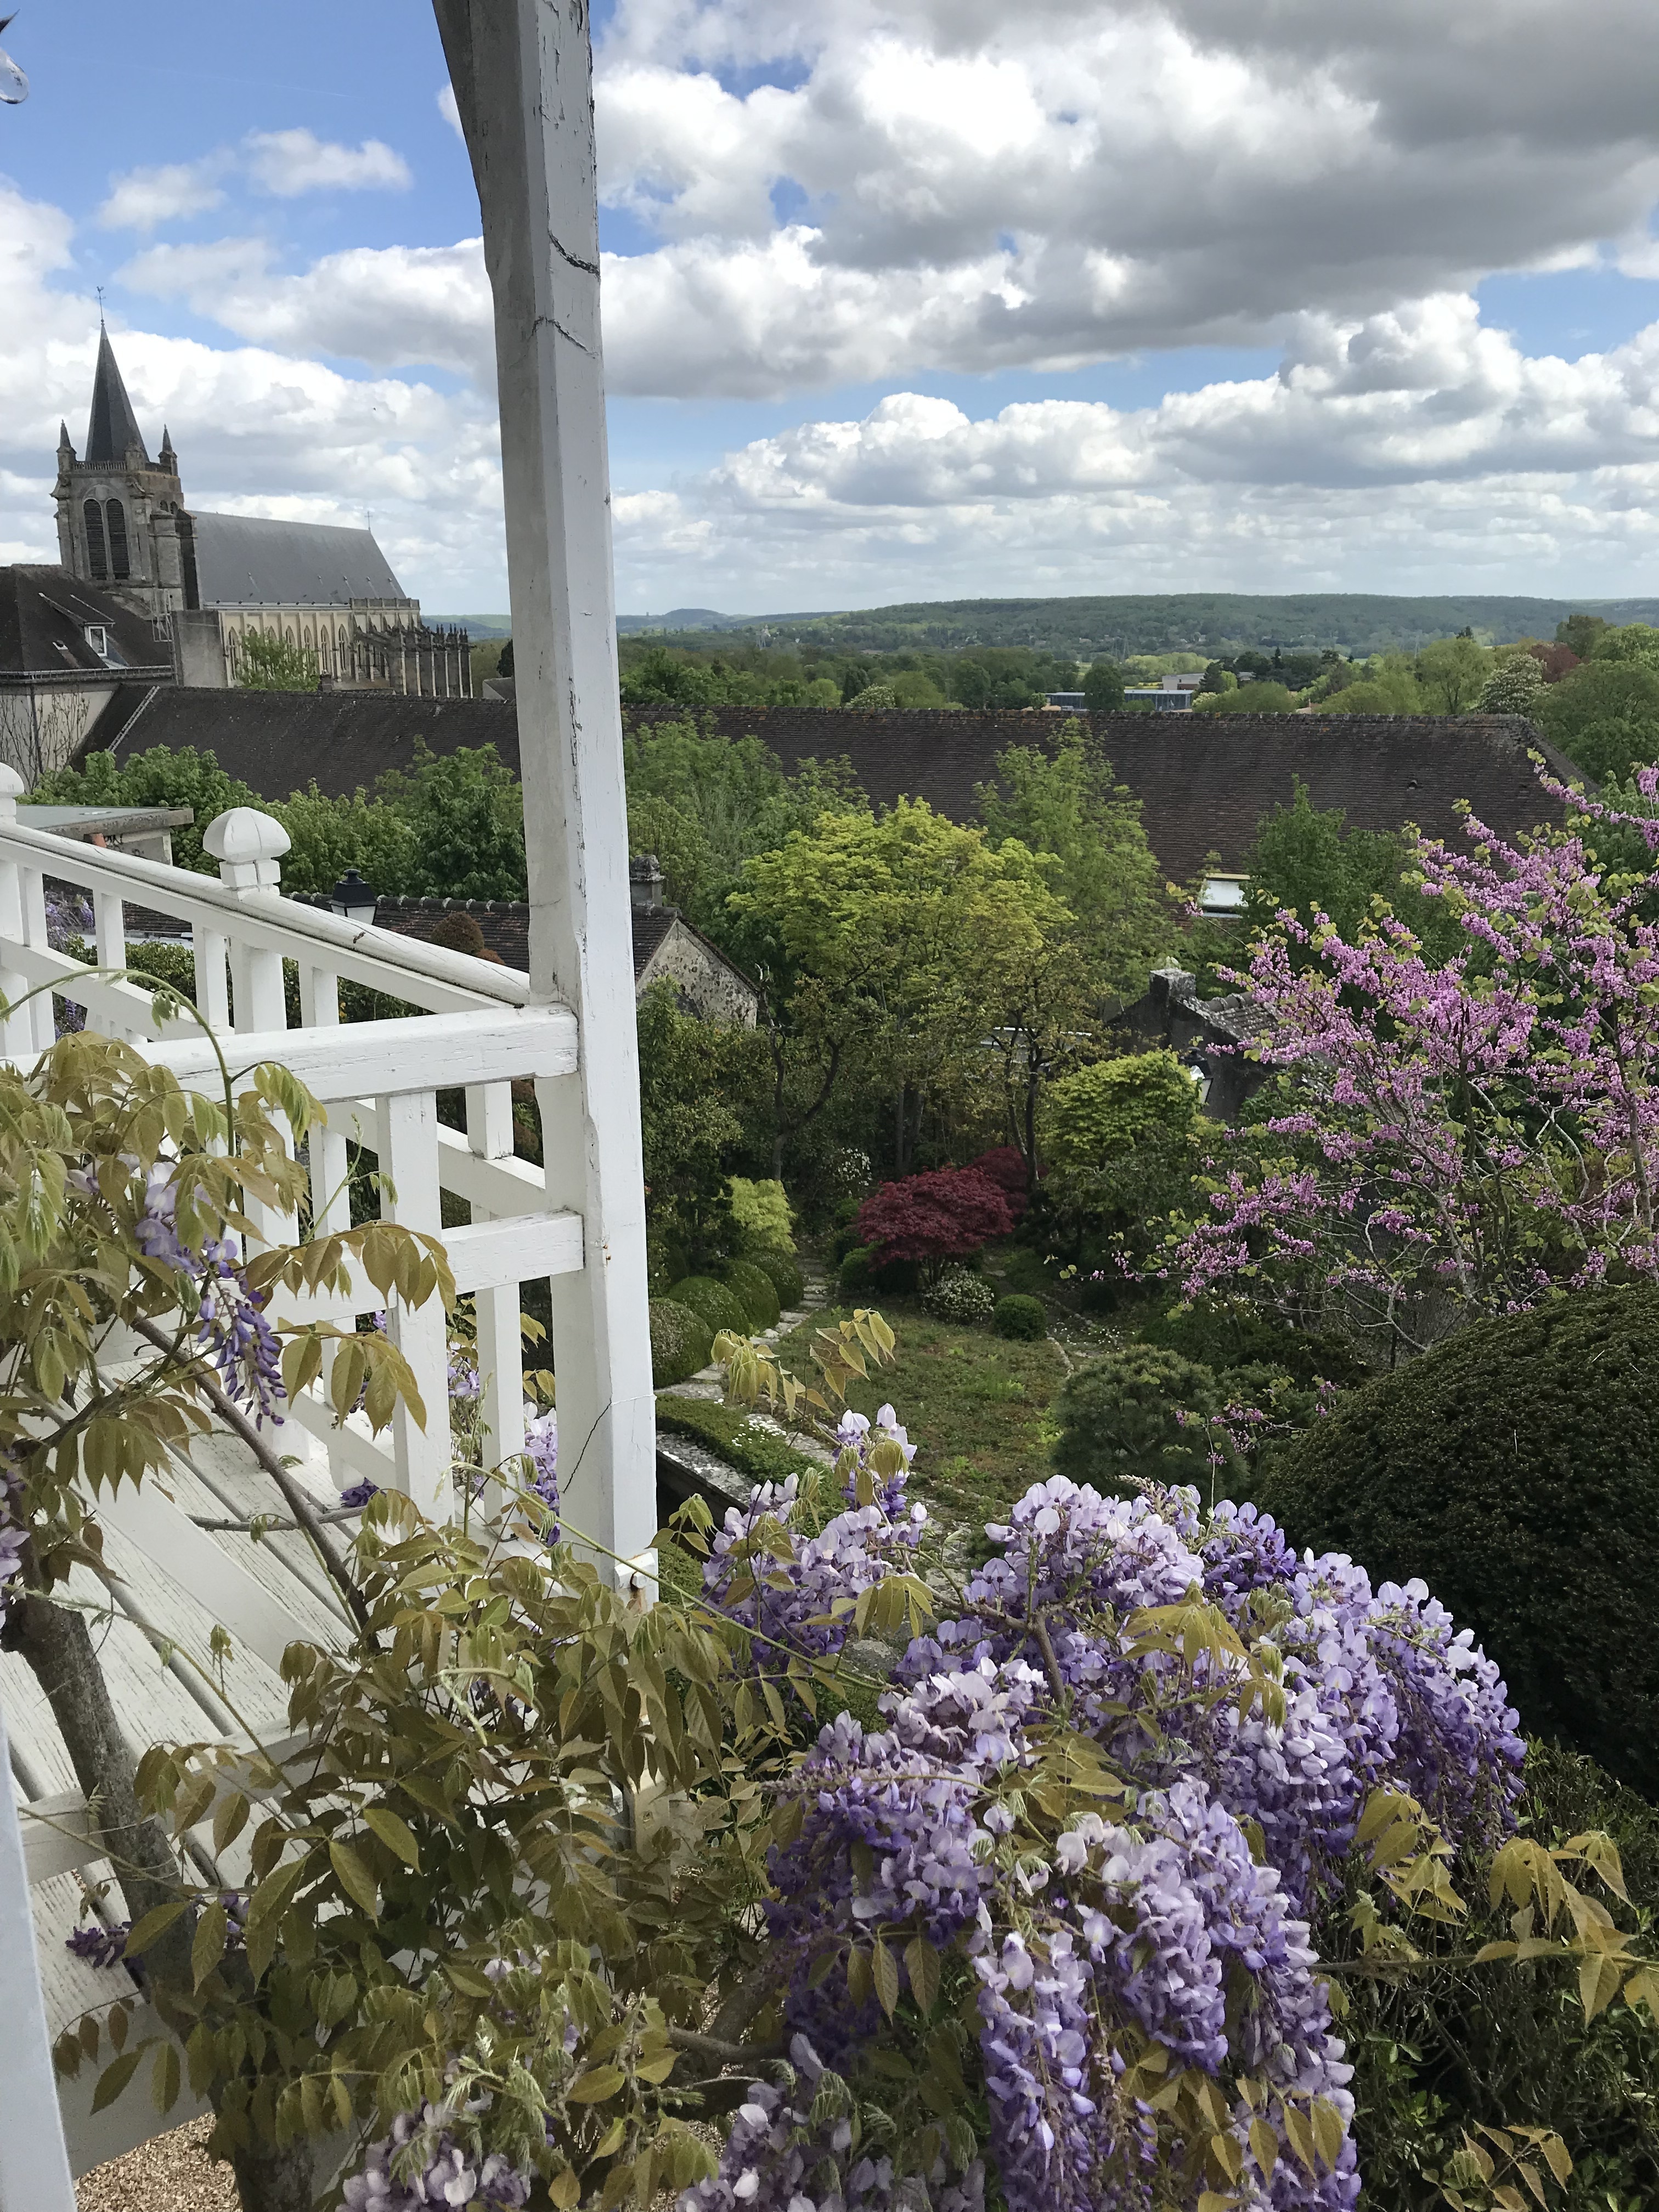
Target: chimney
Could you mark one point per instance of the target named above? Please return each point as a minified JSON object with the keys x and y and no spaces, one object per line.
{"x":645,"y":880}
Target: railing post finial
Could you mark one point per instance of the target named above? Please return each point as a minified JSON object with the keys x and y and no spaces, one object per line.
{"x":12,"y":787}
{"x":248,"y":847}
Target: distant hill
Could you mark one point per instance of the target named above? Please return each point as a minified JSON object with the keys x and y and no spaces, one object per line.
{"x":477,"y":626}
{"x":1212,"y":623}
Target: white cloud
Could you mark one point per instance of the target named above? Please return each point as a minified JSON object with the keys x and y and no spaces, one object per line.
{"x":142,"y":198}
{"x":973,"y":186}
{"x":289,"y":162}
{"x":449,"y":108}
{"x":1411,"y":451}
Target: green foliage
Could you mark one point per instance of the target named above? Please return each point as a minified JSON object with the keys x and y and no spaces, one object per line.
{"x":275,"y":664}
{"x":1387,"y":685}
{"x":465,"y":815}
{"x":730,"y":1432}
{"x":1226,"y":1333}
{"x":1307,"y":859}
{"x":1071,"y":805}
{"x":681,"y":1342}
{"x":1604,"y":715}
{"x":1467,"y":2045}
{"x":852,"y":1272}
{"x":695,"y":1078}
{"x":1103,"y":687}
{"x":159,"y":777}
{"x":400,"y":1858}
{"x":761,"y":1209}
{"x":1513,"y":687}
{"x":1118,"y":1420}
{"x":1451,"y":673}
{"x":960,"y":1297}
{"x":1103,"y":1112}
{"x":169,"y":964}
{"x":1257,"y":698}
{"x":715,"y":1303}
{"x":1020,"y":1318}
{"x":783,"y":1268}
{"x":874,"y":699}
{"x":1516,"y":1469}
{"x":756,"y":1290}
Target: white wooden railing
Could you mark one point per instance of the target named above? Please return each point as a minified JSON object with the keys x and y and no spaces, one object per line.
{"x":479,"y":1030}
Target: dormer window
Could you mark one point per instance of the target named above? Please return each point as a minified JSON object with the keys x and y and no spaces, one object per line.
{"x":98,"y":639}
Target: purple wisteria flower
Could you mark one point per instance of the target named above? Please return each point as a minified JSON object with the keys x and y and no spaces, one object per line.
{"x":420,"y":2164}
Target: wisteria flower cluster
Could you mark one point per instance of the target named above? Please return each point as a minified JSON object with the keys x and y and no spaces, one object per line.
{"x":420,"y":2164}
{"x":1242,"y":1705}
{"x":797,"y":1589}
{"x":233,"y":1329}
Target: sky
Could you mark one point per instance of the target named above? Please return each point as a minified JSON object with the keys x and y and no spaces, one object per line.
{"x":903,"y":299}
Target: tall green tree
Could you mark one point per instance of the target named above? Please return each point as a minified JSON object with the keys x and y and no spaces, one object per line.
{"x":1451,"y":672}
{"x":275,"y":664}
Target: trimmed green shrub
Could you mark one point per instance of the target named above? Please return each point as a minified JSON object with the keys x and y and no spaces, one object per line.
{"x":1118,"y":1421}
{"x":853,"y":1275}
{"x":754,"y":1287}
{"x":717,"y":1304}
{"x":960,"y":1297}
{"x":857,"y":1274}
{"x":1021,"y":1318}
{"x":681,"y":1342}
{"x":1227,"y":1333}
{"x":762,"y":1211}
{"x":1102,"y":1112}
{"x":784,"y":1269}
{"x":1516,"y":1469}
{"x":728,"y":1431}
{"x":168,"y":964}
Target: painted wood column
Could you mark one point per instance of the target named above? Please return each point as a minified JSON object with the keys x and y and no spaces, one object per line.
{"x":522,"y":72}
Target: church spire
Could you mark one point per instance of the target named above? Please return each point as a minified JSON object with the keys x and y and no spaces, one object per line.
{"x":167,"y":459}
{"x":114,"y":427}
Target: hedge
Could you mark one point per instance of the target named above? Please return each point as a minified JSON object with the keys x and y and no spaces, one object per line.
{"x":719,"y":1304}
{"x":1118,"y":1424}
{"x":784,"y":1270}
{"x":681,"y":1342}
{"x":756,"y":1290}
{"x":1515,"y":1470}
{"x":727,"y":1432}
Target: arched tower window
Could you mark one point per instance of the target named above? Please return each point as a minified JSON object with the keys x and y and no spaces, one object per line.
{"x":97,"y":560}
{"x":120,"y":565}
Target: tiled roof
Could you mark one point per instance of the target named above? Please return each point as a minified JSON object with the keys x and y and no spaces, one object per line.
{"x":1204,"y":780}
{"x":248,"y":559}
{"x":44,"y":615}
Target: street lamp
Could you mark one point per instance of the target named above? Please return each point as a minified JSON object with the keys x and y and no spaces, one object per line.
{"x":354,"y":898}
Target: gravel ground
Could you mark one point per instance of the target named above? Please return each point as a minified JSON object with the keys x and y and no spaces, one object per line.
{"x":169,"y":2173}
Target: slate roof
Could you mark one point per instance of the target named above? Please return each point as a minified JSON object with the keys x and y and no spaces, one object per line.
{"x":504,"y":925}
{"x":249,"y":559}
{"x":45,"y":615}
{"x":1204,"y":780}
{"x":112,"y":426}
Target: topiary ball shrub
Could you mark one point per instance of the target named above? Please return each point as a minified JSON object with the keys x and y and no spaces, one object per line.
{"x":784,"y":1270}
{"x":1118,"y":1420}
{"x":681,"y":1342}
{"x":1514,"y":1468}
{"x":756,"y":1288}
{"x":717,"y":1304}
{"x":853,"y":1275}
{"x":1021,"y":1318}
{"x":1228,"y":1333}
{"x":960,"y":1297}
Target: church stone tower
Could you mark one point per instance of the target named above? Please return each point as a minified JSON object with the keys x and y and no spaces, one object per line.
{"x":121,"y":518}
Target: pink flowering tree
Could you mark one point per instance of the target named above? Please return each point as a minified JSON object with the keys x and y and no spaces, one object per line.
{"x":1459,"y":1137}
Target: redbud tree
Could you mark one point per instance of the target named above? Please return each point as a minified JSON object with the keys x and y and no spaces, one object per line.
{"x":1458,"y":1137}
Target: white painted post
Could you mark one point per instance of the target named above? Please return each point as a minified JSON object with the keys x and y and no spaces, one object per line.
{"x":249,"y":846}
{"x":35,"y":2167}
{"x":522,"y":73}
{"x":329,"y":1160}
{"x":501,"y":1361}
{"x":41,"y":1010}
{"x":109,"y":915}
{"x":17,"y":1031}
{"x":409,"y":1160}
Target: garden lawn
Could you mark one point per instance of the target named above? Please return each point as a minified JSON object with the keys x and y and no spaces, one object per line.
{"x":976,"y":1405}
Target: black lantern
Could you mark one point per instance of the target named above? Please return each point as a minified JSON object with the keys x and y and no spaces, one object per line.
{"x":354,"y":898}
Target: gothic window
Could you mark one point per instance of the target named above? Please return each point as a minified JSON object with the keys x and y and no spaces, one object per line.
{"x":97,"y":560}
{"x":187,"y":560}
{"x":310,"y":640}
{"x":118,"y":561}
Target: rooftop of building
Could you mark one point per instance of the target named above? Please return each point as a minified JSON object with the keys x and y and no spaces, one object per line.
{"x":249,"y":560}
{"x":1205,"y":781}
{"x":45,"y":616}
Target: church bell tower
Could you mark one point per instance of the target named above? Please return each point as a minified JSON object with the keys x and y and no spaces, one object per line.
{"x":122,"y":523}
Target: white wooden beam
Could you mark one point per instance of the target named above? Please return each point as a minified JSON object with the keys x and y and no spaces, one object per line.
{"x":391,"y":1059}
{"x":35,"y":2167}
{"x":522,"y":73}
